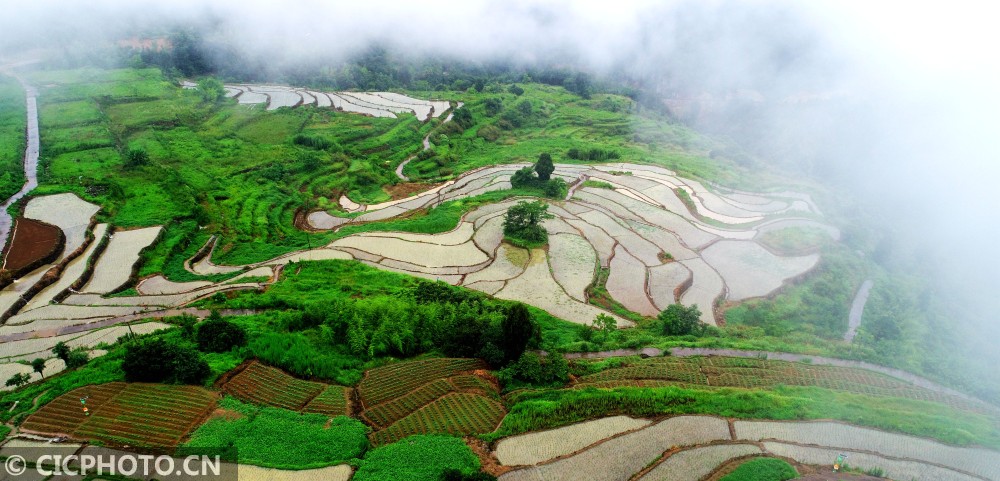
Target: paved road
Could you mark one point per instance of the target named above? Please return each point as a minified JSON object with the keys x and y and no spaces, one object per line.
{"x":30,"y":163}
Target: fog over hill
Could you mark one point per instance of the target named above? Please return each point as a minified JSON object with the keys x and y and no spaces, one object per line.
{"x":892,"y":103}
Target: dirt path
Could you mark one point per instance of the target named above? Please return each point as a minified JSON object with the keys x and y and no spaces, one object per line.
{"x":30,"y":161}
{"x":857,"y":309}
{"x":427,"y":146}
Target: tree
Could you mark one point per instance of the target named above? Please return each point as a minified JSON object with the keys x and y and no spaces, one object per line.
{"x":518,"y":329}
{"x":678,"y":320}
{"x":219,"y":335}
{"x":534,"y":369}
{"x":544,"y":166}
{"x":523,"y":221}
{"x":556,"y":188}
{"x":39,"y":366}
{"x":136,"y":158}
{"x":211,"y":89}
{"x":77,"y":358}
{"x":157,"y":360}
{"x":493,"y":106}
{"x":606,"y":324}
{"x":516,"y":90}
{"x":18,"y":380}
{"x":523,"y":177}
{"x":61,"y":350}
{"x":463,"y":117}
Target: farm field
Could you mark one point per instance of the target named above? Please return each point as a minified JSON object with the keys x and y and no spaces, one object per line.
{"x":32,"y":241}
{"x":264,"y":385}
{"x":717,"y":372}
{"x":696,"y":463}
{"x":131,"y":414}
{"x":534,"y":448}
{"x":622,"y":457}
{"x":432,"y":396}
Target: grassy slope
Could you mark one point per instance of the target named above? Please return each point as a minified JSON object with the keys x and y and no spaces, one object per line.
{"x":12,"y":125}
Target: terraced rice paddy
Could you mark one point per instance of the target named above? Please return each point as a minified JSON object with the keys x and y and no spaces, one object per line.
{"x":427,"y":397}
{"x":114,"y":268}
{"x":637,"y":231}
{"x":696,"y":463}
{"x":375,"y":104}
{"x":693,"y":448}
{"x":125,"y":414}
{"x":981,"y":462}
{"x":893,"y":468}
{"x":757,"y":373}
{"x":65,"y":211}
{"x":621,"y":457}
{"x":534,"y":448}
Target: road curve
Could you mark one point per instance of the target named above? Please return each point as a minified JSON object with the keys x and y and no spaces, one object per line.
{"x":30,"y":162}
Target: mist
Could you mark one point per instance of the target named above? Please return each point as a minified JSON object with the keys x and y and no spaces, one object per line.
{"x":892,"y":104}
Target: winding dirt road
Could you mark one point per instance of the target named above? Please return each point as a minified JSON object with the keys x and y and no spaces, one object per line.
{"x":30,"y":162}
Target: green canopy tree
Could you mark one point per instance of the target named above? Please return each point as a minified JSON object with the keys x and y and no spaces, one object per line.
{"x":678,"y":320}
{"x":544,"y":166}
{"x":523,"y":221}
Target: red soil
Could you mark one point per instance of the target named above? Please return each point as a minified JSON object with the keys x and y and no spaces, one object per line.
{"x":32,"y":241}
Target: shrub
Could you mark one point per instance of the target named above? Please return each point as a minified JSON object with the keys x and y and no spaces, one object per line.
{"x":218,"y":335}
{"x":418,"y":458}
{"x":678,"y":320}
{"x":493,"y":106}
{"x":312,"y":141}
{"x":533,"y":369}
{"x":489,"y":132}
{"x":516,"y":90}
{"x":76,"y":358}
{"x":556,"y":188}
{"x":762,"y":469}
{"x":157,"y":360}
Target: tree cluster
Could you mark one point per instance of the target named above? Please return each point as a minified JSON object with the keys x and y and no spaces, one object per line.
{"x":432,"y":316}
{"x":526,"y":178}
{"x":523,"y":222}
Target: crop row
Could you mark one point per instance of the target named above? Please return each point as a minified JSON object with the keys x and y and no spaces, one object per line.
{"x":394,"y":380}
{"x":133,"y":414}
{"x":64,"y":414}
{"x":457,"y":414}
{"x":391,"y":411}
{"x":331,"y":402}
{"x":265,"y":385}
{"x":759,"y":373}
